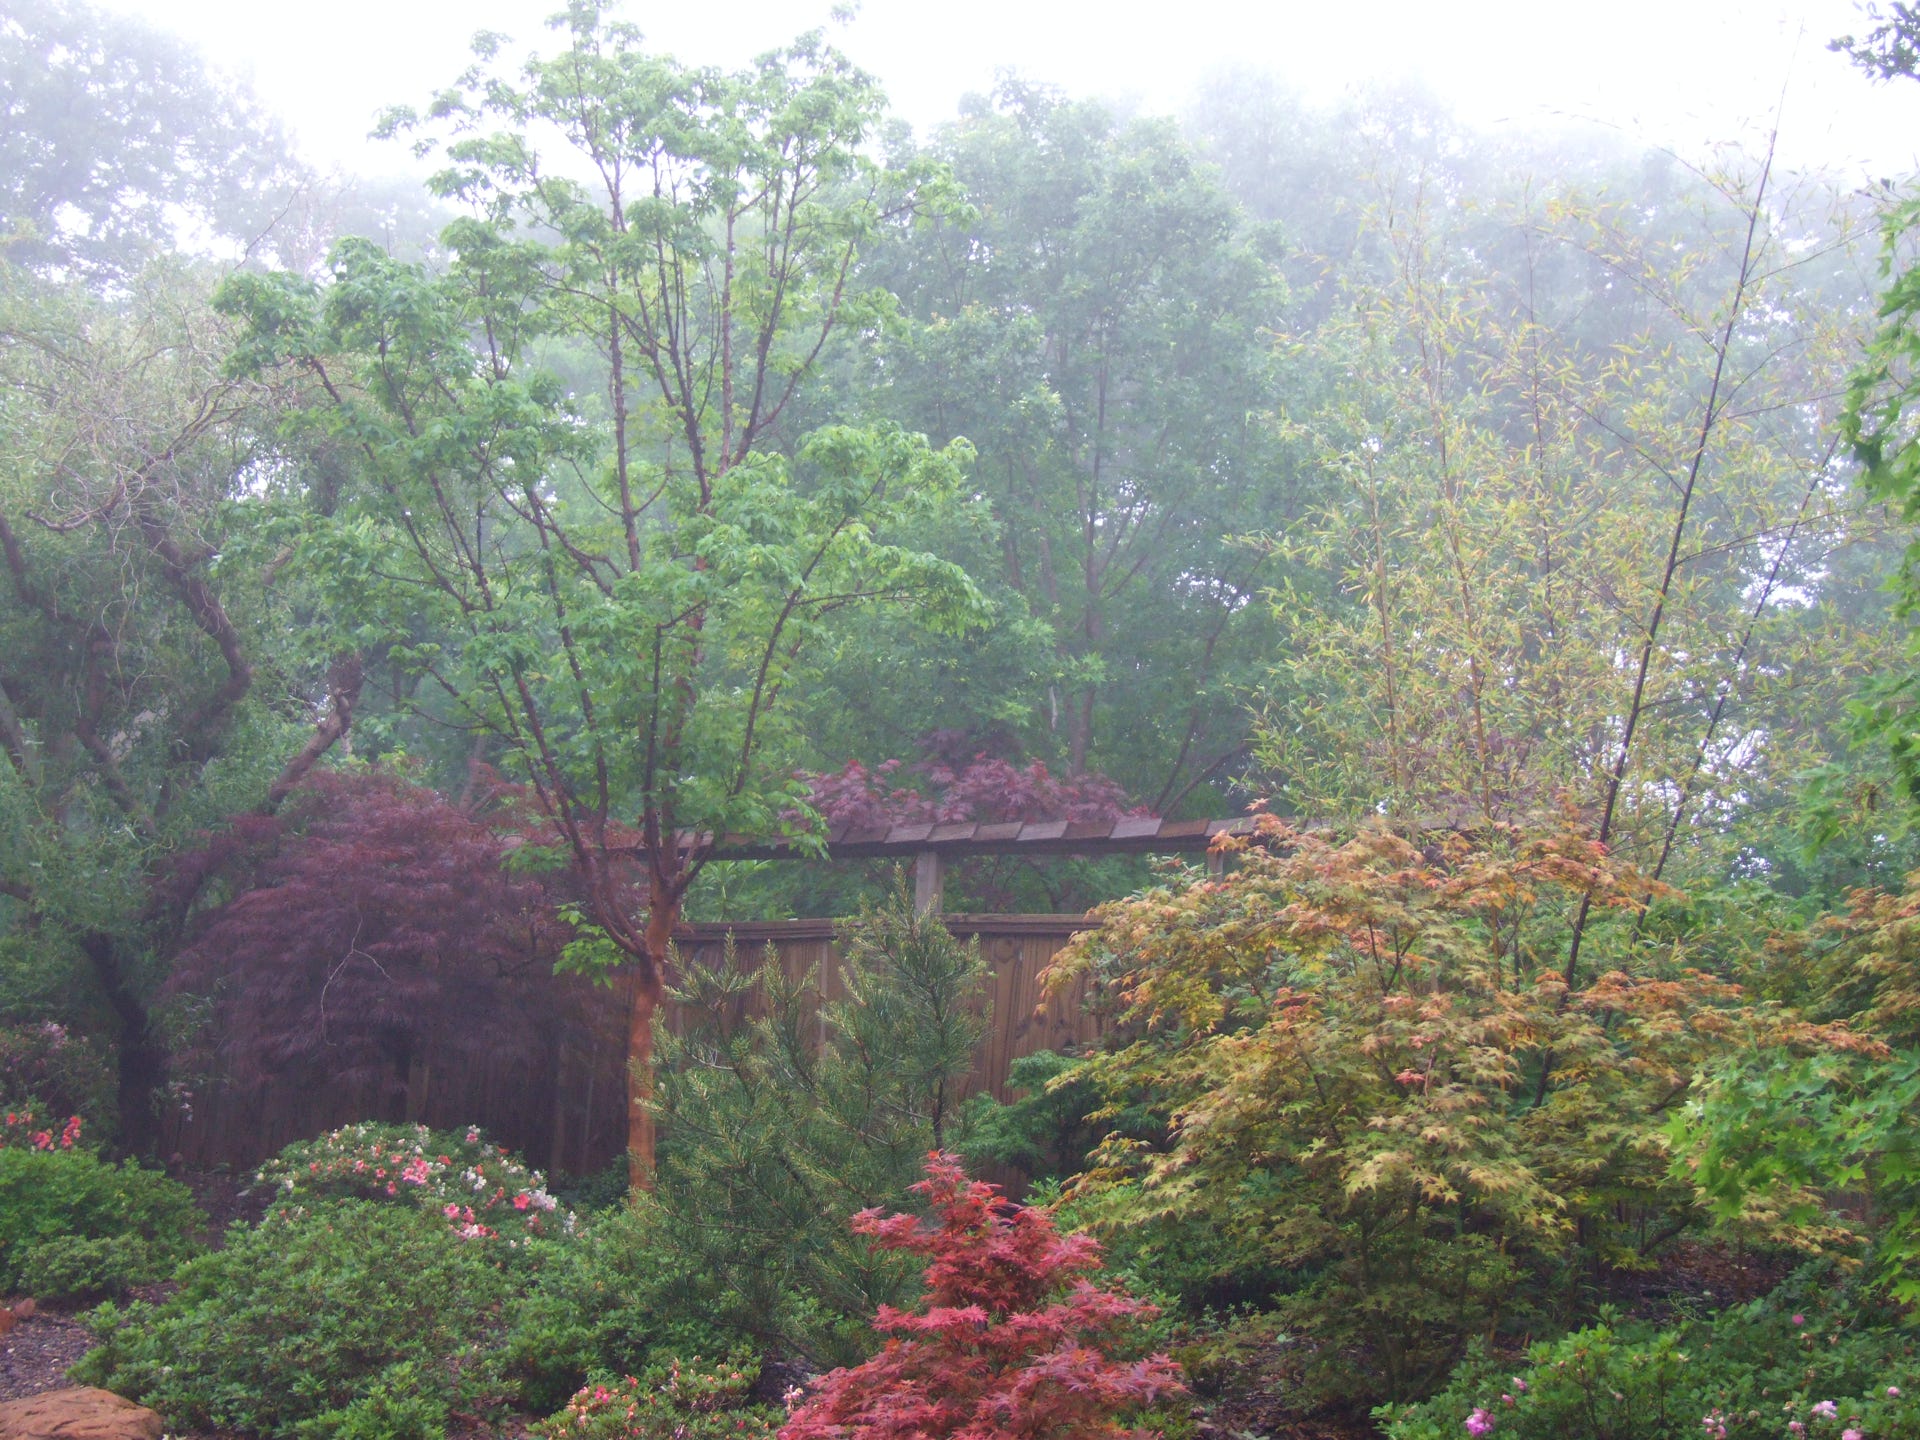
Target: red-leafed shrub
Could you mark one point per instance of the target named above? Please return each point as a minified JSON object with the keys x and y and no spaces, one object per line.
{"x":1011,"y":1339}
{"x":372,"y":922}
{"x":983,"y":789}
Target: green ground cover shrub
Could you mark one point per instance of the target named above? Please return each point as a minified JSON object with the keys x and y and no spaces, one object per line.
{"x":57,"y":1197}
{"x":305,"y":1324}
{"x":1816,"y":1360}
{"x":75,"y":1267}
{"x":673,"y":1400}
{"x":606,"y":1302}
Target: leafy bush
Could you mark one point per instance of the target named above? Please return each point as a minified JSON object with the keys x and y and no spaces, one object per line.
{"x":607,"y":1302}
{"x":480,"y":1190}
{"x":22,"y":1128}
{"x":1011,"y":1338}
{"x":771,"y":1131}
{"x":302,"y":1324}
{"x":676,"y":1400}
{"x":73,"y":1267}
{"x":59,"y":1195}
{"x":1044,"y":1130}
{"x":1376,"y":1080}
{"x":403,"y":1403}
{"x":1773,"y":1137}
{"x":1813,"y":1360}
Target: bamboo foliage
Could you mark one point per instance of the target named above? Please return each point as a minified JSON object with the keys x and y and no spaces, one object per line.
{"x":1581,"y":540}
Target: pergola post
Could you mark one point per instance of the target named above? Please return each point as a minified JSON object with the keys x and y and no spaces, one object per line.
{"x":927,"y":882}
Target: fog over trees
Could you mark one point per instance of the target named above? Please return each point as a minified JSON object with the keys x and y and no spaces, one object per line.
{"x":407,"y":576}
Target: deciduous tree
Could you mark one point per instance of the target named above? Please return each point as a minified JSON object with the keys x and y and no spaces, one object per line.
{"x":619,"y":590}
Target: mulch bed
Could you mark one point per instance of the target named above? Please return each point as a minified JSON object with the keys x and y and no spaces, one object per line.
{"x":35,"y":1354}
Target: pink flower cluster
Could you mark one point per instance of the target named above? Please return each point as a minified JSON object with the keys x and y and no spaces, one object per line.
{"x":19,"y":1131}
{"x":480,"y":1188}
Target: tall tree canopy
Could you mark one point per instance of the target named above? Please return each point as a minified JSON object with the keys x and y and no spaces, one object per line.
{"x":117,"y":140}
{"x":148,"y":686}
{"x":619,"y":591}
{"x":1094,"y":323}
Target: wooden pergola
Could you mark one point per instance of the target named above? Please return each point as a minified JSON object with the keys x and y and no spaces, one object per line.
{"x":930,"y":846}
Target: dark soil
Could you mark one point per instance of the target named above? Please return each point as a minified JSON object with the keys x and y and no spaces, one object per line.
{"x":35,"y":1354}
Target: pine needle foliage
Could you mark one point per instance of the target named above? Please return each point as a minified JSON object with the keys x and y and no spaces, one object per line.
{"x":786,"y":1107}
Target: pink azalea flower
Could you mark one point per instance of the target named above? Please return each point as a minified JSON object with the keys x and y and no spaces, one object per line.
{"x":1479,"y":1422}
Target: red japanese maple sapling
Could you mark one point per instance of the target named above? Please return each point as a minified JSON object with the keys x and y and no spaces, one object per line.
{"x":1011,"y":1338}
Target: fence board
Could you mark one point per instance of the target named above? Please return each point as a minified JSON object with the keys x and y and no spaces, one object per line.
{"x":565,"y":1106}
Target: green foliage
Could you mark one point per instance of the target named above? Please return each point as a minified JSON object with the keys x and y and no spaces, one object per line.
{"x":1378,"y":1080}
{"x":609,"y":1301}
{"x":404,"y":1402}
{"x":1774,"y":1140}
{"x":49,"y":1196}
{"x":1808,"y":1362}
{"x":635,"y":631}
{"x":1097,"y":325}
{"x":1044,"y":1130}
{"x":692,"y":1399}
{"x":786,"y":1109}
{"x":74,"y":1267}
{"x":298,"y":1326}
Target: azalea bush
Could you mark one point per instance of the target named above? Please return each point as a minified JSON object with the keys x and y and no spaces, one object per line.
{"x":22,"y":1128}
{"x":1817,"y":1360}
{"x":1011,"y":1338}
{"x":690,"y":1399}
{"x":49,"y":1069}
{"x":130,"y":1225}
{"x":482,"y":1191}
{"x":609,"y":1301}
{"x":311,"y":1324}
{"x":1380,"y":1079}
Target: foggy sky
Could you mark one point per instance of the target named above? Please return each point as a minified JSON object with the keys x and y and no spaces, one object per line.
{"x":1683,"y":74}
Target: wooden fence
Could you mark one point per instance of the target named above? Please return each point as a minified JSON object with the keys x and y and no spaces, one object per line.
{"x":565,"y":1109}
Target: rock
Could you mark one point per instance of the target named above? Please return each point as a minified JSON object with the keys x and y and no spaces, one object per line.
{"x":79,"y":1414}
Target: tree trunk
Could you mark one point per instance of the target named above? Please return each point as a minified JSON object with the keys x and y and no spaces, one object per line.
{"x":640,"y":1150}
{"x":142,"y":1061}
{"x":649,"y":984}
